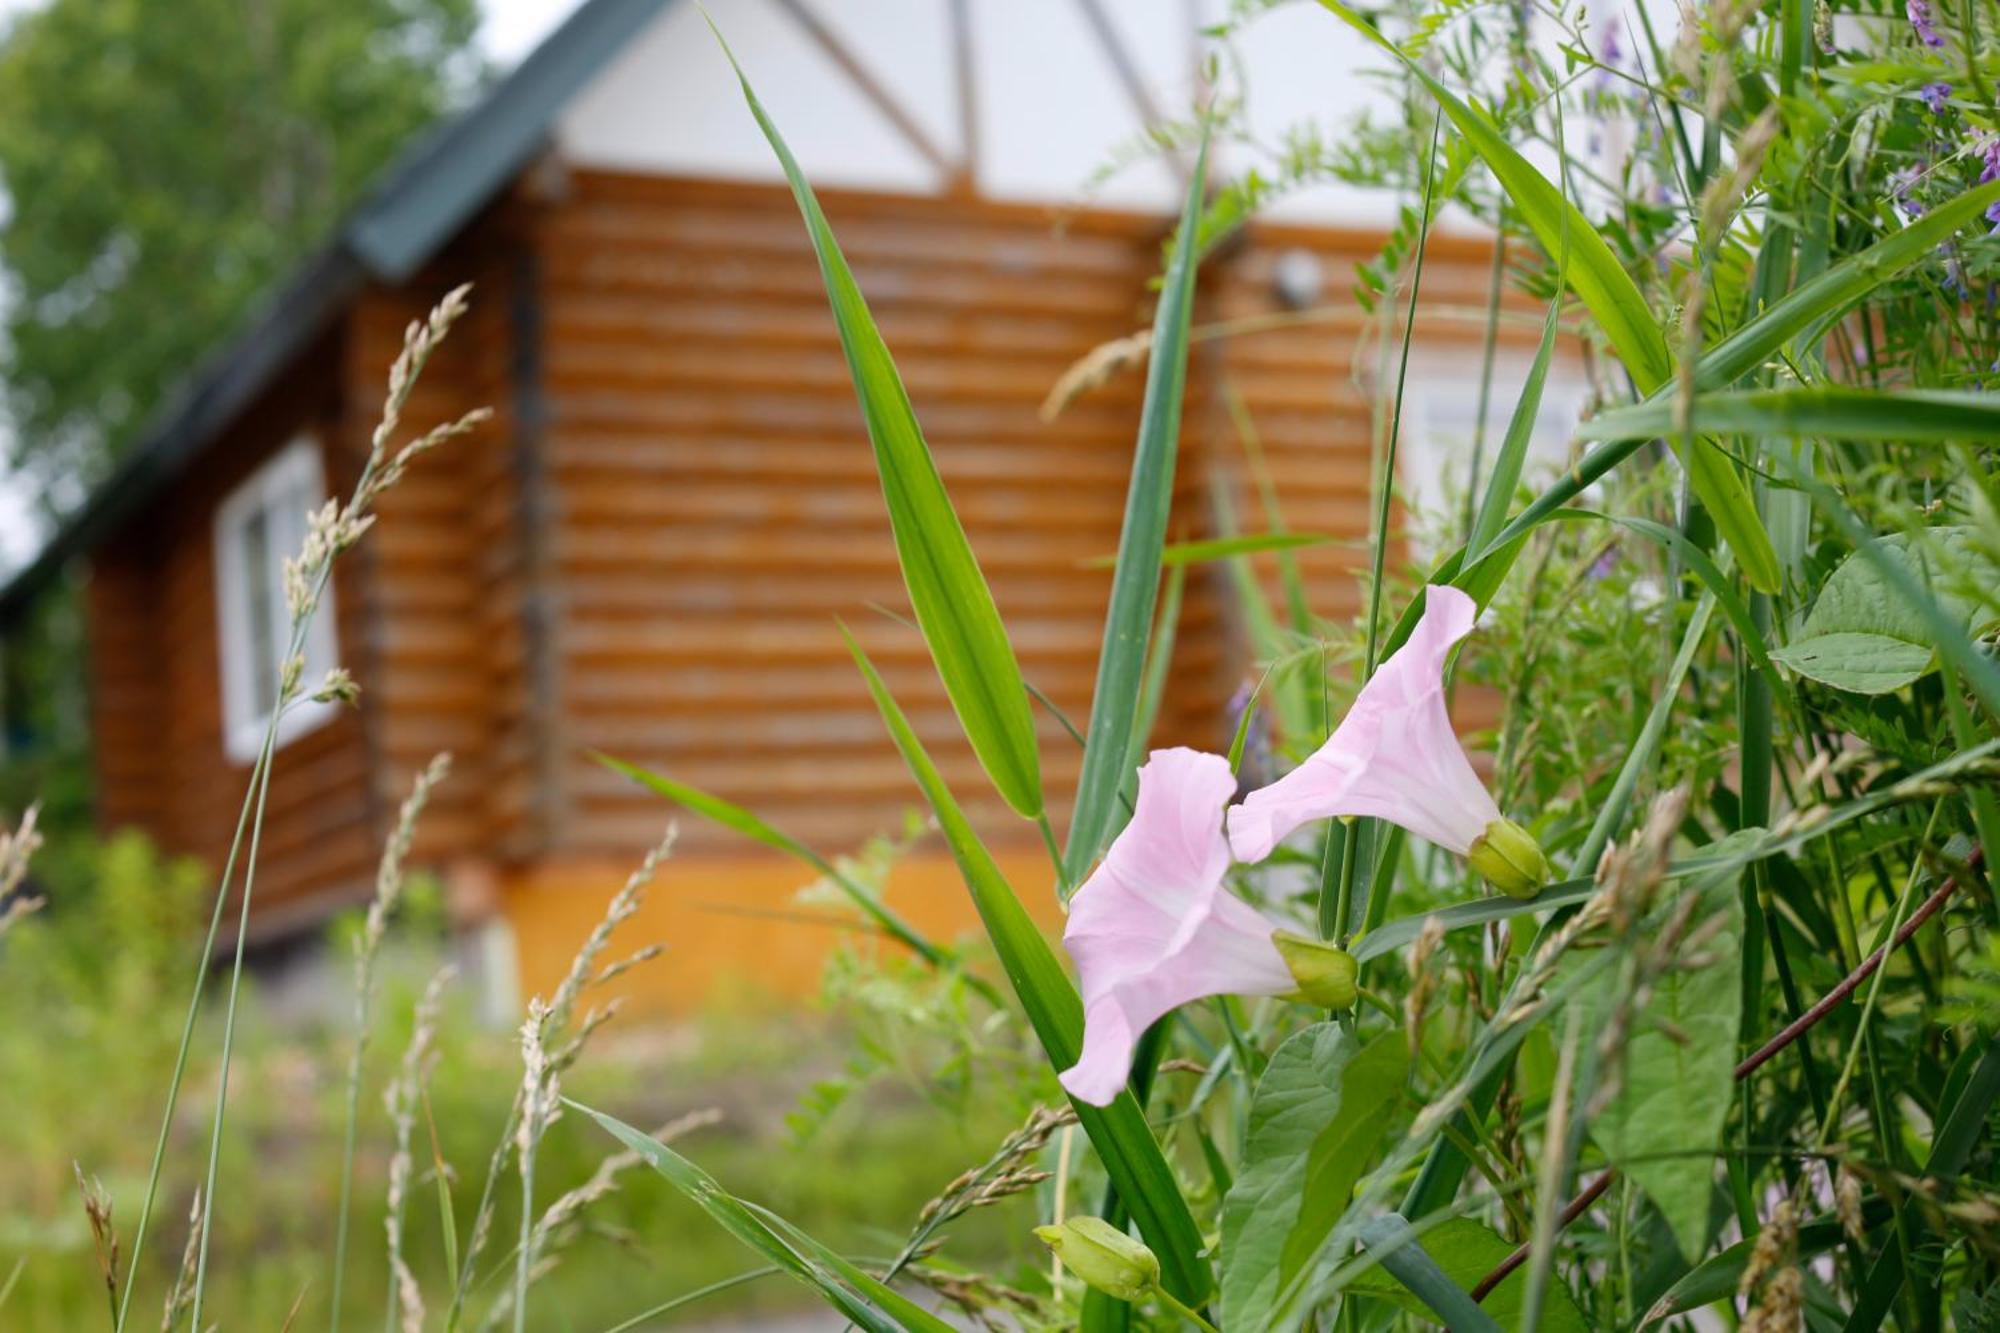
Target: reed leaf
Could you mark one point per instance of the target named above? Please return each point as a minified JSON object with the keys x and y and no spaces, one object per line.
{"x":868,"y":1303}
{"x":1124,"y":1142}
{"x":735,"y":817}
{"x":1820,"y":410}
{"x":954,"y":607}
{"x":1135,"y":581}
{"x":1593,"y":272}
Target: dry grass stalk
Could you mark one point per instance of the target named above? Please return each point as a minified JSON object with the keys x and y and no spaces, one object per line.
{"x":181,"y":1295}
{"x":404,"y":1094}
{"x":389,"y":881}
{"x":1847,"y":1203}
{"x":548,"y":1048}
{"x":1000,"y":1176}
{"x":1780,"y":1306}
{"x":1095,"y":368}
{"x":1422,"y":980}
{"x":552,"y":1230}
{"x":17,"y":847}
{"x":103,"y":1235}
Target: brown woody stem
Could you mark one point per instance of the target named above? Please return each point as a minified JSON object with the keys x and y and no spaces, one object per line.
{"x":1790,"y":1033}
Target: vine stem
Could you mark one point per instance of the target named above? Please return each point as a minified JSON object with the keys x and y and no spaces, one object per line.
{"x":1756,"y":1060}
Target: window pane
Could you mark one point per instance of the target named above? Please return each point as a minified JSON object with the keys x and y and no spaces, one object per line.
{"x":259,"y":578}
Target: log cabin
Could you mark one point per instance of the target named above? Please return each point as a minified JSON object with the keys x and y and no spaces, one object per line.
{"x":645,"y":551}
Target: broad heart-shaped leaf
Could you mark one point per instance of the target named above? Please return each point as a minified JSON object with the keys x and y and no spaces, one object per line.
{"x":1132,"y":1159}
{"x":1858,"y":662}
{"x":1863,"y":636}
{"x":1678,"y":1071}
{"x":1593,"y":272}
{"x":955,"y":609}
{"x":1467,"y":1251}
{"x":1319,"y":1113}
{"x":863,"y":1300}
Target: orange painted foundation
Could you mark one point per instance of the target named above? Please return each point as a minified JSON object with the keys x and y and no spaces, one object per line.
{"x":732,"y":927}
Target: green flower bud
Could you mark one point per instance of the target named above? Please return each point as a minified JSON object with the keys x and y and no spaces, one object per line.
{"x":1103,"y":1256}
{"x":1327,"y":976}
{"x":1509,"y":859}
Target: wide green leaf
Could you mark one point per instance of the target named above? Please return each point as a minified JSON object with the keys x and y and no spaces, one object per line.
{"x":1593,"y":272}
{"x":954,"y":607}
{"x":1124,"y":1142}
{"x":1319,"y":1113}
{"x":1135,"y":582}
{"x":862,"y":1299}
{"x":1864,"y":636}
{"x":1466,"y":1251}
{"x":1831,"y":411}
{"x":1677,"y":1075}
{"x":1860,"y":663}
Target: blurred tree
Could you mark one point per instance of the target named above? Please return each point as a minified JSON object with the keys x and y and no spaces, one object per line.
{"x":164,"y":163}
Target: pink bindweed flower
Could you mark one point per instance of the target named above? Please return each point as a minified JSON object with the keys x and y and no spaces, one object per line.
{"x":1153,"y":928}
{"x":1395,"y":757}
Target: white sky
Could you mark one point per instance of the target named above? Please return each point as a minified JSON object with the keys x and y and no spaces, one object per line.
{"x":512,"y":29}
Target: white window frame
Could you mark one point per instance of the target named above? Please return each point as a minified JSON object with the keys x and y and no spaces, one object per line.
{"x":279,"y":494}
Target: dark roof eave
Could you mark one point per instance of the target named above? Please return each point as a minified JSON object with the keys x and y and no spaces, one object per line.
{"x":424,"y":199}
{"x":201,"y":410}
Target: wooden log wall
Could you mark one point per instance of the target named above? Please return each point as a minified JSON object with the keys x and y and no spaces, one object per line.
{"x":156,"y":696}
{"x":644,"y":552}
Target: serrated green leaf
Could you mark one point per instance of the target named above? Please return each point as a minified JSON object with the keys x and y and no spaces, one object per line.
{"x":954,"y":607}
{"x":1319,"y":1113}
{"x":1124,"y":1142}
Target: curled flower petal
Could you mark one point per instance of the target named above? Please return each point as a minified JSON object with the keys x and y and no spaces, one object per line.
{"x":1153,"y":927}
{"x":1394,"y":756}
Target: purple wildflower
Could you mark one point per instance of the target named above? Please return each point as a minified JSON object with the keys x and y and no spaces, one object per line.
{"x":1990,"y":153}
{"x":1993,"y":216}
{"x":1921,"y":22}
{"x":1954,"y":273}
{"x":1901,"y":183}
{"x":1935,"y":96}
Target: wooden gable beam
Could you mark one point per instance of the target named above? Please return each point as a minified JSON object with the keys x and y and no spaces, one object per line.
{"x":884,"y":101}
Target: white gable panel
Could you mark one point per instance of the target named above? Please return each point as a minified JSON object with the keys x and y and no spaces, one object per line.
{"x":906,"y":46}
{"x":670,"y":104}
{"x":1051,"y":109}
{"x":1307,"y":67}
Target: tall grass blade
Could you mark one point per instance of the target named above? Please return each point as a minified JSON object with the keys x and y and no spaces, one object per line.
{"x":860,"y":1298}
{"x":1395,"y":1246}
{"x":1822,"y":410}
{"x":736,"y":818}
{"x":1798,"y":319}
{"x":954,"y":607}
{"x":1513,"y":454}
{"x":1135,"y":583}
{"x":1593,"y":272}
{"x":1124,"y":1142}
